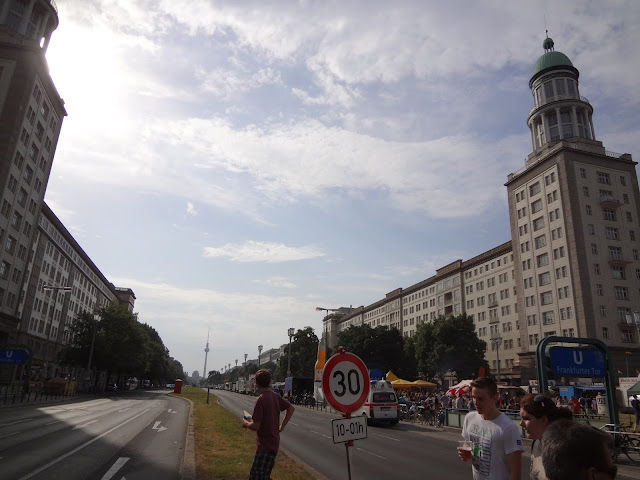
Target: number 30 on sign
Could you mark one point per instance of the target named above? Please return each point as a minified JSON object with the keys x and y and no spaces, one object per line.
{"x":345,"y":382}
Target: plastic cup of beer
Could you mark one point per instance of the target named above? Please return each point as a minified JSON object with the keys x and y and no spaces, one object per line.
{"x":465,"y":447}
{"x":476,"y":449}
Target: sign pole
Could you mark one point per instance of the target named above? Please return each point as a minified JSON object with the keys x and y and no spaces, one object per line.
{"x":347,"y":445}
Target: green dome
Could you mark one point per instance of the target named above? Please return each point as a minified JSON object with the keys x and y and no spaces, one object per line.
{"x":551,"y":59}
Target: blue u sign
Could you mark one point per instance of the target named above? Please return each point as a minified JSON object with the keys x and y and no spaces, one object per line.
{"x":577,"y":362}
{"x":12,"y":356}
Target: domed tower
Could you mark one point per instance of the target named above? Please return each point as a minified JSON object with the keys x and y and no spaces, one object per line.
{"x":559,"y":111}
{"x":31,"y":113}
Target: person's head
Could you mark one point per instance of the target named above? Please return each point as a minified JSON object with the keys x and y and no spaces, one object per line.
{"x":263,"y":378}
{"x":484,"y":393}
{"x":576,"y":451}
{"x":537,"y":411}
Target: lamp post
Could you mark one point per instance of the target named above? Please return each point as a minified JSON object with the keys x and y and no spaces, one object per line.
{"x":96,"y":318}
{"x":634,"y":321}
{"x":259,"y":353}
{"x":54,"y":297}
{"x":236,"y":363}
{"x":497,"y":341}
{"x":245,"y":358}
{"x":290,"y":332}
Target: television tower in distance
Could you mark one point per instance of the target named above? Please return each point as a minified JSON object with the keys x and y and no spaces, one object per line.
{"x":205,"y":374}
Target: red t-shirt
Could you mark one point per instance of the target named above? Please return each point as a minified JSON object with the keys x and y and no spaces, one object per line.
{"x":267,"y":411}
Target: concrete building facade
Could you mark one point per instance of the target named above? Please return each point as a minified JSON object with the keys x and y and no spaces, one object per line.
{"x":572,"y":266}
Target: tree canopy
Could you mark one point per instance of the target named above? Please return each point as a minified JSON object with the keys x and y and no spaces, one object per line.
{"x":379,"y":347}
{"x":304,"y":352}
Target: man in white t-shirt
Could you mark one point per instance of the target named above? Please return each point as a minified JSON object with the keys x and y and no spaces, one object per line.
{"x":497,"y":445}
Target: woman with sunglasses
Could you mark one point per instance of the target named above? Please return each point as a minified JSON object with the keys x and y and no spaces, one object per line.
{"x":536,"y":412}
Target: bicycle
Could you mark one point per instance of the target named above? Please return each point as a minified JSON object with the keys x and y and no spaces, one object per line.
{"x":623,"y":442}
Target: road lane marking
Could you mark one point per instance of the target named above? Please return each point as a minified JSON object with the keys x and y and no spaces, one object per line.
{"x":384,"y":436}
{"x":115,"y":467}
{"x":77,"y":449}
{"x":370,"y":453}
{"x":84,"y":424}
{"x":13,"y":423}
{"x":53,"y":423}
{"x":123,"y":410}
{"x":293,"y":423}
{"x":10,"y":434}
{"x":156,"y":427}
{"x":322,"y":434}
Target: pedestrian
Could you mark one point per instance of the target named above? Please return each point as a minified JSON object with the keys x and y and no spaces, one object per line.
{"x":589,"y":406}
{"x":576,"y":451}
{"x":635,"y":403}
{"x":497,"y":446}
{"x":265,"y":421}
{"x":575,"y":405}
{"x":536,"y":413}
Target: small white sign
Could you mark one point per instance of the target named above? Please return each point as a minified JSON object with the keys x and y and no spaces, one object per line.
{"x":345,"y":429}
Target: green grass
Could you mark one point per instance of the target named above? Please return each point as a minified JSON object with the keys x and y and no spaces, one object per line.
{"x":224,"y":450}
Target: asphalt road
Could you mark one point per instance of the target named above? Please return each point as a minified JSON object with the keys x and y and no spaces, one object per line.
{"x":128,"y":435}
{"x":407,"y":451}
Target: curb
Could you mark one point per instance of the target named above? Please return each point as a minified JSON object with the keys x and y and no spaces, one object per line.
{"x":188,"y":469}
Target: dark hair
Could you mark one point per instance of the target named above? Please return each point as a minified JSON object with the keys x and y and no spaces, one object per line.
{"x":540,"y":406}
{"x":570,"y":447}
{"x":263,"y":378}
{"x":487,"y":383}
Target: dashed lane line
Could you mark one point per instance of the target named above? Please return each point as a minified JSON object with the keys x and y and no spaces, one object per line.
{"x":13,"y":423}
{"x":321,"y":434}
{"x":371,"y":453}
{"x":10,"y":435}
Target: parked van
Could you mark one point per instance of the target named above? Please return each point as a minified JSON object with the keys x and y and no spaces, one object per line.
{"x":381,"y":405}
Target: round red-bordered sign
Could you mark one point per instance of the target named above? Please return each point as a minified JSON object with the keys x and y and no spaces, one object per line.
{"x":345,"y":382}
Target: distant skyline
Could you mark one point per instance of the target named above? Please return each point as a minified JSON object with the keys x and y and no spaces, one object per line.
{"x":239,"y":164}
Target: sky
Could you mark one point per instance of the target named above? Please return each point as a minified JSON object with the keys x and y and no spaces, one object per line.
{"x":238,"y":164}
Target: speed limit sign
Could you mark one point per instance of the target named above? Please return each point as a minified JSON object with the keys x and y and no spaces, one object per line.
{"x":345,"y":382}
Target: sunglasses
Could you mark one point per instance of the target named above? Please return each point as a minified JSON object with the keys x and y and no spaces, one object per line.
{"x":539,"y":399}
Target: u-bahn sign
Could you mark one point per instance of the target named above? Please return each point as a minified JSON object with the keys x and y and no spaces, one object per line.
{"x":577,"y":362}
{"x":14,"y":355}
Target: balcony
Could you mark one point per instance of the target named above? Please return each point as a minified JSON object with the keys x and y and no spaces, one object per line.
{"x":558,"y":98}
{"x":618,"y":260}
{"x":608,"y":201}
{"x":493,"y":304}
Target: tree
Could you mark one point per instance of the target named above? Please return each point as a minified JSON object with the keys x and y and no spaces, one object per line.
{"x":379,"y":348}
{"x":449,"y":344}
{"x":304,"y":352}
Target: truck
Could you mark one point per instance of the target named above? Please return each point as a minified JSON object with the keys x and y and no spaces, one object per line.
{"x":297,"y":389}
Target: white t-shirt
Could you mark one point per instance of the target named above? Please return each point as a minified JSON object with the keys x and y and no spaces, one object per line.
{"x":499,"y":437}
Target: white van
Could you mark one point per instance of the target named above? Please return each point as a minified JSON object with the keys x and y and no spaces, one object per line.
{"x":381,"y":405}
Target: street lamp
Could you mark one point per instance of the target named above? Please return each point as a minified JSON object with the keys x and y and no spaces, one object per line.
{"x":496,"y":342}
{"x":236,"y":363}
{"x":259,"y":353}
{"x":54,"y":296}
{"x":634,"y":321}
{"x":290,"y":332}
{"x":245,"y":358}
{"x":96,"y":318}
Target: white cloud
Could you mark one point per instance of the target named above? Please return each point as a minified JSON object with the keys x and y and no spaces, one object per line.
{"x":277,"y":282}
{"x":191,"y":209}
{"x":253,"y":251}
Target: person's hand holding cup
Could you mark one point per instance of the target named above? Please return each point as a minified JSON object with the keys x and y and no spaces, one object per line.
{"x":464,"y":450}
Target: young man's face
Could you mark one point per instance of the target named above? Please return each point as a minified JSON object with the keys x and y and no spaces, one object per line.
{"x":484,"y":402}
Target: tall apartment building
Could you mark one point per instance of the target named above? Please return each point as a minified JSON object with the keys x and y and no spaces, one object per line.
{"x":46,"y":278}
{"x":31,"y":113}
{"x":572,"y":267}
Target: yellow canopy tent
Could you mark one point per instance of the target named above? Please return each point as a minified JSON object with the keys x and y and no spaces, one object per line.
{"x":399,"y":383}
{"x":391,"y":376}
{"x":423,"y":384}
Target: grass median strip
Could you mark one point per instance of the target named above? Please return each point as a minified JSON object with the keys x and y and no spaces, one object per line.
{"x":223,"y":449}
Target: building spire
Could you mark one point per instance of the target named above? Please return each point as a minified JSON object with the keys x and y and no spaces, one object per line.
{"x":206,"y":353}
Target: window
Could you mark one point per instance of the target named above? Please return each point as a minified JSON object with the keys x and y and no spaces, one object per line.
{"x":544,"y":279}
{"x":10,"y":245}
{"x":632,"y":235}
{"x":548,"y":318}
{"x":541,"y":241}
{"x":635,"y":254}
{"x":611,"y":233}
{"x":603,"y":311}
{"x":594,"y":248}
{"x":534,"y":189}
{"x":546,"y":298}
{"x":27,"y":174}
{"x":554,"y":215}
{"x":561,"y":272}
{"x":628,"y":216}
{"x":623,"y":181}
{"x":542,"y":260}
{"x":583,"y":173}
{"x":596,"y":268}
{"x":622,"y":293}
{"x":591,"y":228}
{"x":609,"y":214}
{"x":558,"y":253}
{"x":585,"y":191}
{"x":625,"y":198}
{"x":604,"y":178}
{"x":552,"y":197}
{"x":605,"y":332}
{"x":615,"y":253}
{"x":587,"y":209}
{"x":538,"y":223}
{"x":599,"y":290}
{"x":618,"y":273}
{"x":536,"y":206}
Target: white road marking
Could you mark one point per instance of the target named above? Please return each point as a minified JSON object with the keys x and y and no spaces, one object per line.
{"x":293,"y":423}
{"x":10,"y":434}
{"x":322,"y":434}
{"x":156,"y":427}
{"x":84,"y":424}
{"x":77,"y":449}
{"x":13,"y":423}
{"x":171,"y":411}
{"x":123,"y":410}
{"x":52,"y":423}
{"x":384,"y":436}
{"x":366,"y":451}
{"x":115,"y":467}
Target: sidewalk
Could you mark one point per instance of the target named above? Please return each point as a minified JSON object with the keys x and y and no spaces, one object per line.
{"x":12,"y":396}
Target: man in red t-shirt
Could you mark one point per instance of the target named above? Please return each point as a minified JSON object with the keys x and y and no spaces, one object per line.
{"x":266,"y":422}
